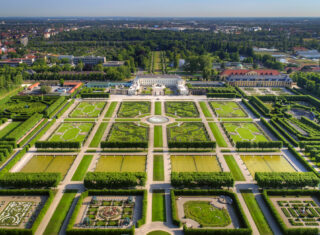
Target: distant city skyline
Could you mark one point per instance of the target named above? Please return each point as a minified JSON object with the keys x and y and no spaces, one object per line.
{"x":163,"y":8}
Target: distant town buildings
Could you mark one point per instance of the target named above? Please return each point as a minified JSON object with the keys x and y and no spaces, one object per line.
{"x":309,"y":54}
{"x":87,"y":60}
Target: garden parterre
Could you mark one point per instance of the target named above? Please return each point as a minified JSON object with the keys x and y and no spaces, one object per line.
{"x":87,"y":109}
{"x":128,"y":132}
{"x":182,"y":108}
{"x":118,"y":163}
{"x":187,"y":132}
{"x":132,"y":109}
{"x":227,"y":109}
{"x":181,"y":163}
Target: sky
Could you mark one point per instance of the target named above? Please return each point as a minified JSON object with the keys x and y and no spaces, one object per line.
{"x":160,"y":8}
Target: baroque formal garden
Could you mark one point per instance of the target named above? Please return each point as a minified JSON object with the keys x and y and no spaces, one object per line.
{"x":139,"y":164}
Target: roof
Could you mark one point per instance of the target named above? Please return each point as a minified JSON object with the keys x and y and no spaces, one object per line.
{"x":158,"y":76}
{"x":243,"y":72}
{"x":283,"y":78}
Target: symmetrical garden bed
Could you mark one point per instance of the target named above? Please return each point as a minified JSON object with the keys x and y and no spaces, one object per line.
{"x":87,"y":110}
{"x":121,"y":164}
{"x":128,"y":132}
{"x":182,"y":163}
{"x":187,"y":132}
{"x":227,"y":109}
{"x":130,"y":109}
{"x":181,"y":109}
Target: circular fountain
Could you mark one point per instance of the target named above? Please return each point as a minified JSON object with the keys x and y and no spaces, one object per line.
{"x":158,"y":119}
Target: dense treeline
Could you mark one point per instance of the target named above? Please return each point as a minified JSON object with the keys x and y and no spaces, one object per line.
{"x":286,"y":179}
{"x":202,"y":179}
{"x":100,"y":180}
{"x":10,"y":78}
{"x":309,"y":81}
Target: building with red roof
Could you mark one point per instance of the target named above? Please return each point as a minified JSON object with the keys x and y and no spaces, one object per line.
{"x":246,"y":72}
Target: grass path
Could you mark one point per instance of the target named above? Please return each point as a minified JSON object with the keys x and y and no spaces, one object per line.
{"x":158,"y":168}
{"x":111,"y":109}
{"x":256,"y":212}
{"x":157,"y":107}
{"x":205,"y":109}
{"x":98,"y":135}
{"x":158,"y":139}
{"x":82,"y":168}
{"x":234,"y":168}
{"x":60,"y":213}
{"x":217,"y":135}
{"x":158,"y":206}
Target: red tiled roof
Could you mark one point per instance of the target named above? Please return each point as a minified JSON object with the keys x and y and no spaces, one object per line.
{"x":229,"y":72}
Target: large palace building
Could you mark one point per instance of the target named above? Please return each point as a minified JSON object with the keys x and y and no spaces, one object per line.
{"x":256,"y":78}
{"x":151,"y":80}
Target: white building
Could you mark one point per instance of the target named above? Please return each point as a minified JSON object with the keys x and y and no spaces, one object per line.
{"x":171,"y":81}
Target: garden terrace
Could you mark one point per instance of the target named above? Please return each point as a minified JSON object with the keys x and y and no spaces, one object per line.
{"x":71,"y":132}
{"x":181,"y":109}
{"x":118,"y":163}
{"x":227,"y":109}
{"x":259,"y":91}
{"x":266,"y":163}
{"x":49,"y":163}
{"x":295,"y":210}
{"x":22,"y":210}
{"x":244,"y":131}
{"x":87,"y":110}
{"x":187,"y":132}
{"x":102,"y":211}
{"x":181,"y":163}
{"x":134,"y":109}
{"x":128,"y":132}
{"x":208,"y":211}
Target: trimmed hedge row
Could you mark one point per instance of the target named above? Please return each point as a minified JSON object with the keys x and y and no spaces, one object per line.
{"x":260,"y":144}
{"x":52,"y":108}
{"x":274,"y":131}
{"x":283,"y":132}
{"x":30,"y":180}
{"x":286,"y":179}
{"x":245,"y":228}
{"x":106,"y":144}
{"x":260,"y":105}
{"x":207,"y":144}
{"x":130,"y":231}
{"x":101,"y":180}
{"x":40,"y":216}
{"x":205,"y":179}
{"x":310,"y":123}
{"x":95,"y":95}
{"x":222,"y":95}
{"x":60,"y":145}
{"x":253,"y":110}
{"x":285,"y":230}
{"x":22,"y":129}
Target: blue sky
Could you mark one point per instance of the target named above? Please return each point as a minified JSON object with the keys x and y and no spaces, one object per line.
{"x":161,"y":8}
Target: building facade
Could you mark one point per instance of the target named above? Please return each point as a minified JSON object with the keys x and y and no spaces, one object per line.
{"x":281,"y":80}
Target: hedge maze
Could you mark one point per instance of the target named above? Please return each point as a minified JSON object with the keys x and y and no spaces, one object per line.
{"x":130,"y":109}
{"x":182,"y":109}
{"x":87,"y":109}
{"x":71,"y":132}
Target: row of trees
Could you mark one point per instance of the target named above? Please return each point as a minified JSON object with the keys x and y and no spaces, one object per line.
{"x":52,"y":108}
{"x":187,"y":145}
{"x":107,"y":144}
{"x":100,"y":180}
{"x":260,"y":144}
{"x":58,"y":145}
{"x":286,"y":179}
{"x":202,"y":179}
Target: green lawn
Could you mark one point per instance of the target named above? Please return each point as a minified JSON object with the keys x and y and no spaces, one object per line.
{"x":8,"y":129}
{"x":256,"y":213}
{"x":98,"y":135}
{"x":111,"y":109}
{"x":206,"y":215}
{"x":158,"y":232}
{"x":158,"y":168}
{"x":205,"y":109}
{"x":183,"y":109}
{"x":157,"y":107}
{"x":60,"y":213}
{"x":130,"y":109}
{"x":82,"y":168}
{"x":158,"y":140}
{"x":120,"y":163}
{"x":158,"y":206}
{"x":227,"y":109}
{"x":217,"y":135}
{"x":234,"y":168}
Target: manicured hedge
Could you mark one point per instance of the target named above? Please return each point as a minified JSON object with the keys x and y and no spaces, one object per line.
{"x":286,"y":179}
{"x":274,"y":131}
{"x":60,"y":145}
{"x":95,"y":95}
{"x":285,"y":230}
{"x":52,"y":108}
{"x":73,"y":231}
{"x":221,"y":95}
{"x":100,"y":180}
{"x":207,"y":144}
{"x":260,"y":145}
{"x":30,"y":180}
{"x":22,"y":129}
{"x":106,"y":144}
{"x":252,"y":109}
{"x":35,"y":225}
{"x":260,"y":105}
{"x":202,"y":179}
{"x":244,"y":229}
{"x":283,"y":132}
